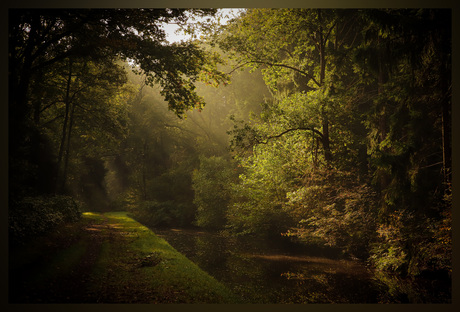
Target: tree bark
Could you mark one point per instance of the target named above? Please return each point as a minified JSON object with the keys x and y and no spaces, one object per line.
{"x":67,"y":102}
{"x":144,"y":170}
{"x":382,"y":126}
{"x":322,"y":76}
{"x":67,"y":151}
{"x":446,"y":128}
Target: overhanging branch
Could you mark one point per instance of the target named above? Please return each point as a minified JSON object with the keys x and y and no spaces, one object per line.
{"x":309,"y":76}
{"x":315,"y":131}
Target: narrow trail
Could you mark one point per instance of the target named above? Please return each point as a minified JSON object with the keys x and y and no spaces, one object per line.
{"x":41,"y":279}
{"x":107,"y":259}
{"x":74,"y":286}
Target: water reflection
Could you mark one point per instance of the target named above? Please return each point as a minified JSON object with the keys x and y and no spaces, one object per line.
{"x":262,"y":271}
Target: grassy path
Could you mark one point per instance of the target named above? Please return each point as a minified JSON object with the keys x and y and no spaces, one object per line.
{"x":108,"y":258}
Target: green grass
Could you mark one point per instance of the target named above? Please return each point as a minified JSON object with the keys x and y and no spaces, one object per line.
{"x":110,"y":258}
{"x":148,"y":263}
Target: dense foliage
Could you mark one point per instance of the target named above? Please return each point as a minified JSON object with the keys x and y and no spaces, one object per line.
{"x":355,"y":148}
{"x":33,"y":216}
{"x":212,"y":185}
{"x":62,"y":63}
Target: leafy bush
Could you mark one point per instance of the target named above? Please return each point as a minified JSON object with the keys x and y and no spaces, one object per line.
{"x":167,"y":213}
{"x":212,"y":186}
{"x":437,"y":254}
{"x":126,"y":201}
{"x":336,"y":211}
{"x":411,"y":245}
{"x":256,"y":212}
{"x":37,"y":215}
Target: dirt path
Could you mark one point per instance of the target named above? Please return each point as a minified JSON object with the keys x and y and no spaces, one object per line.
{"x":43,"y":278}
{"x":108,"y":258}
{"x":74,"y":286}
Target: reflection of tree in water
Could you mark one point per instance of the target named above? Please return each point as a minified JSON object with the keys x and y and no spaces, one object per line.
{"x":329,"y":286}
{"x":207,"y":245}
{"x":260,"y":272}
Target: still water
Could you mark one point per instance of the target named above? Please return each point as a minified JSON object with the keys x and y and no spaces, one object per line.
{"x":267,"y":272}
{"x":263,"y":271}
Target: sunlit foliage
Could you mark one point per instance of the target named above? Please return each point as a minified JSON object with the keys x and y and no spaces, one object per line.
{"x":355,"y":149}
{"x":212,"y":185}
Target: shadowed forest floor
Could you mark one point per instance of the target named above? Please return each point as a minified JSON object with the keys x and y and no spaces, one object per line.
{"x":107,"y":258}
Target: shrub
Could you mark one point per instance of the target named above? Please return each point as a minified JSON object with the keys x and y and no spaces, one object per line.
{"x":410,"y":245}
{"x":154,"y":213}
{"x":33,"y":216}
{"x":212,"y":186}
{"x":335,"y":211}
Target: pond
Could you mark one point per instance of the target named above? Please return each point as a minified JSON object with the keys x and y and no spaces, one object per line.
{"x":272,"y":271}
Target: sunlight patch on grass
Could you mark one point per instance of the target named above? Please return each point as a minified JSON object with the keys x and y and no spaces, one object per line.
{"x":90,"y":214}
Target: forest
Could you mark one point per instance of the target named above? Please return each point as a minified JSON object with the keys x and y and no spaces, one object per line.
{"x":330,"y":128}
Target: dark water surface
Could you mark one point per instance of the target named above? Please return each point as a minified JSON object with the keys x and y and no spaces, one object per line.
{"x":264,"y":271}
{"x":261,"y":271}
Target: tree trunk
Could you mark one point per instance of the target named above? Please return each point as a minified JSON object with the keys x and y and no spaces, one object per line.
{"x":446,"y":127}
{"x":322,"y":76}
{"x":67,"y":151}
{"x":144,"y":170}
{"x":64,"y":127}
{"x":382,"y":126}
{"x":20,"y":74}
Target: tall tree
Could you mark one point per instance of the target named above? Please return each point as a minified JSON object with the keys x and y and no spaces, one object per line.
{"x":80,"y":100}
{"x":292,"y":48}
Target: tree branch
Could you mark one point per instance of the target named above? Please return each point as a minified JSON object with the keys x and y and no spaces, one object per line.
{"x":290,"y":130}
{"x":277,"y":65}
{"x":330,"y":30}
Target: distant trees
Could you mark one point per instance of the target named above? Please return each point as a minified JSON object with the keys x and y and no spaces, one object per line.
{"x":69,"y":99}
{"x":62,"y":65}
{"x":164,"y":165}
{"x":152,"y":164}
{"x":212,"y":184}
